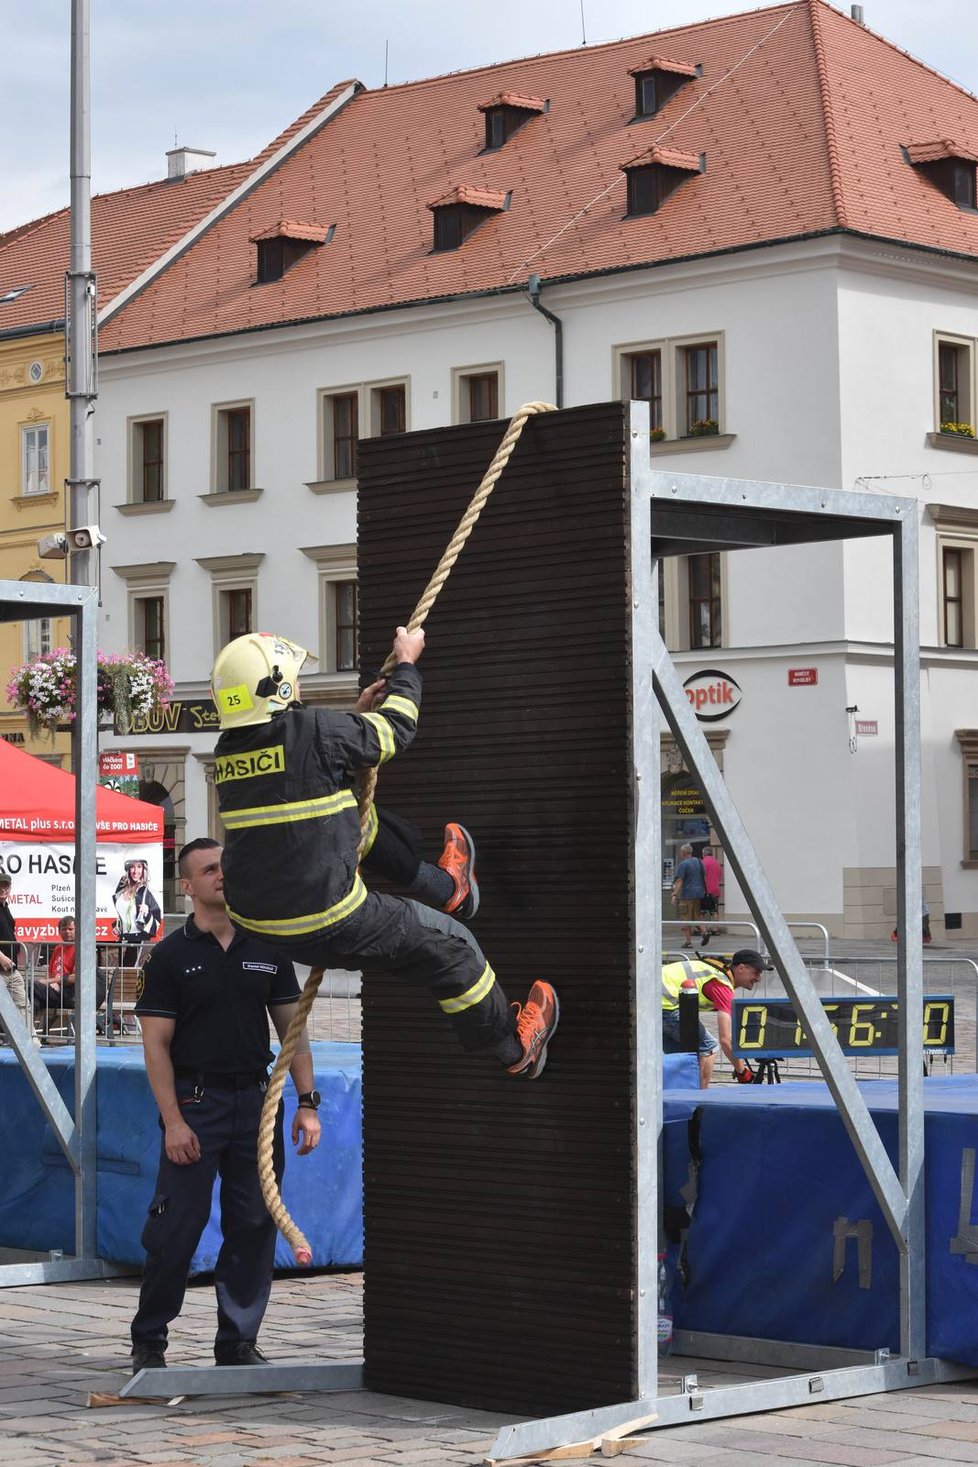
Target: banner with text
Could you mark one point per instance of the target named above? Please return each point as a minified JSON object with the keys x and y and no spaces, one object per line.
{"x":128,"y":883}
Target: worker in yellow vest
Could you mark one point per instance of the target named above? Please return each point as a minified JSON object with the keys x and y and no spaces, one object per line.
{"x":715,"y":980}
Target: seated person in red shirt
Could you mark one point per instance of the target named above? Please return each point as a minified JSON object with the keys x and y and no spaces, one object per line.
{"x":59,"y":990}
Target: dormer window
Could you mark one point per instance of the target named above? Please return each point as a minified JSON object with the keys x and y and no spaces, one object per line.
{"x":950,"y":167}
{"x":656,"y":80}
{"x":460,"y":212}
{"x":506,"y":113}
{"x":657,"y":173}
{"x":281,"y":246}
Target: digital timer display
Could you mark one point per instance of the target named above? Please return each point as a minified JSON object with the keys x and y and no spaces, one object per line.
{"x":770,"y":1027}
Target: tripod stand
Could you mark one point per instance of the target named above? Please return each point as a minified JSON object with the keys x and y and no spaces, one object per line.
{"x":767,"y":1072}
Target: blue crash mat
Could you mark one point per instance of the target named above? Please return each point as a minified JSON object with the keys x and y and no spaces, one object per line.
{"x":322,"y":1191}
{"x":777,"y":1180}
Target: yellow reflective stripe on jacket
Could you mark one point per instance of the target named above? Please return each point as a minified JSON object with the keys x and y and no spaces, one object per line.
{"x":370,"y":835}
{"x":472,"y":996}
{"x":385,"y":735}
{"x":314,"y":809}
{"x":398,"y":704}
{"x":311,"y":922}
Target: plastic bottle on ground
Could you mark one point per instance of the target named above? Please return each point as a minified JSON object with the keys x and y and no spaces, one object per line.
{"x":665,"y":1309}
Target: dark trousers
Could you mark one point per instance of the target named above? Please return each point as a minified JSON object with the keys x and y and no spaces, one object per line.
{"x":419,"y":945}
{"x":226,"y":1124}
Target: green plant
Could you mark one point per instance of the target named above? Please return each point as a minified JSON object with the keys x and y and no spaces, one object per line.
{"x":129,"y":684}
{"x":704,"y":428}
{"x":964,"y":430}
{"x":657,"y":435}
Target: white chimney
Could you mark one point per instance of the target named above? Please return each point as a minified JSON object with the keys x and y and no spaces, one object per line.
{"x":181,"y":161}
{"x":856,"y":11}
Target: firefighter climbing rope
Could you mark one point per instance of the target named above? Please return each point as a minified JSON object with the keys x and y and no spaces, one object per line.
{"x":266,"y":1166}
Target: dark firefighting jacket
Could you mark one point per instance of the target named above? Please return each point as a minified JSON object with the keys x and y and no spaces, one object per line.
{"x":290,"y":814}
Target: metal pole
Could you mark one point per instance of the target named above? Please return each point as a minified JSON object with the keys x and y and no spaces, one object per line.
{"x":80,"y":376}
{"x":910,"y":983}
{"x":647,"y":905}
{"x":81,"y":389}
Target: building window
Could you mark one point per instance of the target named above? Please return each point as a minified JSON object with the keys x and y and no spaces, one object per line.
{"x":234,"y":593}
{"x":344,"y":430}
{"x":367,"y":410}
{"x":35,"y":478}
{"x":702,"y":386}
{"x":346,"y":620}
{"x":653,"y":90}
{"x":147,"y":459}
{"x":389,"y":409}
{"x":477,"y":393}
{"x":968,"y":740}
{"x":645,"y":382}
{"x":149,"y":619}
{"x":37,"y":637}
{"x":648,"y":188}
{"x":681,"y":380}
{"x":233,"y":448}
{"x":953,"y":591}
{"x":705,"y":619}
{"x":955,"y":383}
{"x":454,"y":223}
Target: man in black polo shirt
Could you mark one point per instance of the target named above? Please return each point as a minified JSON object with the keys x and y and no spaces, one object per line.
{"x":205,"y":998}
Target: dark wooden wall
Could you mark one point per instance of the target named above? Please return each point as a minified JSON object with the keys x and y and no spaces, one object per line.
{"x":498,"y":1213}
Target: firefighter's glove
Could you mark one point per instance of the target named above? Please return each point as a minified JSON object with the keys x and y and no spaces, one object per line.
{"x":746,"y":1076}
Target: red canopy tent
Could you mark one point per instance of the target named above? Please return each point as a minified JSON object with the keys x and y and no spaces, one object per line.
{"x":37,"y":832}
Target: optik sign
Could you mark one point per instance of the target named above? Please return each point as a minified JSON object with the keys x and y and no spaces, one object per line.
{"x":713,"y":694}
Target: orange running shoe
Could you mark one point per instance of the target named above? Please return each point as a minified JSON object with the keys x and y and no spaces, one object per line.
{"x":536,"y":1023}
{"x":458,"y":859}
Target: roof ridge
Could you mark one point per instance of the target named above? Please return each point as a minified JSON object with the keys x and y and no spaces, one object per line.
{"x":821,"y":66}
{"x":720,"y":20}
{"x":900,"y":50}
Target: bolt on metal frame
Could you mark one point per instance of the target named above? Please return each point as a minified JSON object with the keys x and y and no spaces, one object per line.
{"x":21,"y":601}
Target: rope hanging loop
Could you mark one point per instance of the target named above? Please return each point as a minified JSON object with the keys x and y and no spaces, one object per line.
{"x":266,"y":1132}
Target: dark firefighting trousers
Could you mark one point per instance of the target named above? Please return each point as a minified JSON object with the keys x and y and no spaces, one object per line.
{"x":421,"y":946}
{"x":226,"y":1124}
{"x":397,"y":849}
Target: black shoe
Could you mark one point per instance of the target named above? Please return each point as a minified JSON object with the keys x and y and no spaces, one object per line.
{"x":242,"y":1352}
{"x":148,"y":1357}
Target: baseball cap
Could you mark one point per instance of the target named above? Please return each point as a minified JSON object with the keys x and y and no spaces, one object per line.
{"x":752,"y":959}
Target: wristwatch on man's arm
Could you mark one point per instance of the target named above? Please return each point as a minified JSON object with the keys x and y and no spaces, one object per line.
{"x":310,"y":1099}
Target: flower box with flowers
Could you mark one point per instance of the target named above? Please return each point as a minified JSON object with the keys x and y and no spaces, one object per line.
{"x":129,"y":685}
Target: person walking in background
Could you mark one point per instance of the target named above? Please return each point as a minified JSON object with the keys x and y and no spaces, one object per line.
{"x":688,"y":890}
{"x":206,"y":995}
{"x":713,"y":881}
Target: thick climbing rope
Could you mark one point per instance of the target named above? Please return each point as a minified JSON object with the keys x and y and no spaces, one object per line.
{"x":266,"y":1131}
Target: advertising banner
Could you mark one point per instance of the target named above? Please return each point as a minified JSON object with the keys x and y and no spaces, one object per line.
{"x":128,"y":884}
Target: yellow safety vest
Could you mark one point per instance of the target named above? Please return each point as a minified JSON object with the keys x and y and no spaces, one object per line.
{"x":675,"y":974}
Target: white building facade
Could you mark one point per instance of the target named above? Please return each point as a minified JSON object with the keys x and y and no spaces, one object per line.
{"x":827,"y":359}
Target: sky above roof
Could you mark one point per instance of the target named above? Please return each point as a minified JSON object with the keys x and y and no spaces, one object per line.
{"x":229,"y":75}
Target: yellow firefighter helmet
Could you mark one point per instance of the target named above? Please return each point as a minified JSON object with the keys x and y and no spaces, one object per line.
{"x":255,"y":676}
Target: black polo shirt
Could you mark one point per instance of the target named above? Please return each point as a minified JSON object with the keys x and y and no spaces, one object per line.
{"x":220,"y":1000}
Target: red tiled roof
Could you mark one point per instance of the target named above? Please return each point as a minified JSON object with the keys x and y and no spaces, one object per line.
{"x":464,"y":193}
{"x":292,"y":229}
{"x":802,"y":112}
{"x":514,"y":99}
{"x":941,"y":148}
{"x":130,"y":229}
{"x":663,"y":63}
{"x":668,"y":157}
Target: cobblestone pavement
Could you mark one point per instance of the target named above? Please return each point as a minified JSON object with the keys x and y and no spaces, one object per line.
{"x":58,"y":1342}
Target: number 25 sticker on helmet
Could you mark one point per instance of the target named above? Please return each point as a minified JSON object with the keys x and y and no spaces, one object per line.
{"x":255,"y":676}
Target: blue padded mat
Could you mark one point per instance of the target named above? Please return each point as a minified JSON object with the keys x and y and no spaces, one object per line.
{"x":322,"y":1191}
{"x":776,"y":1174}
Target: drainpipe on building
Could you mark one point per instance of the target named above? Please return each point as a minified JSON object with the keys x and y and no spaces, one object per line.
{"x":533,"y":290}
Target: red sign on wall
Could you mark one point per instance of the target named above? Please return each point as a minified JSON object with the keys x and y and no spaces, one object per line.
{"x":802,"y":677}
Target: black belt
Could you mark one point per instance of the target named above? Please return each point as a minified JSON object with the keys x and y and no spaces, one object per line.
{"x":216,"y":1080}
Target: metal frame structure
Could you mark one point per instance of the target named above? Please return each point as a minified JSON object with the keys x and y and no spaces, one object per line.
{"x":685,"y":514}
{"x":20,"y":601}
